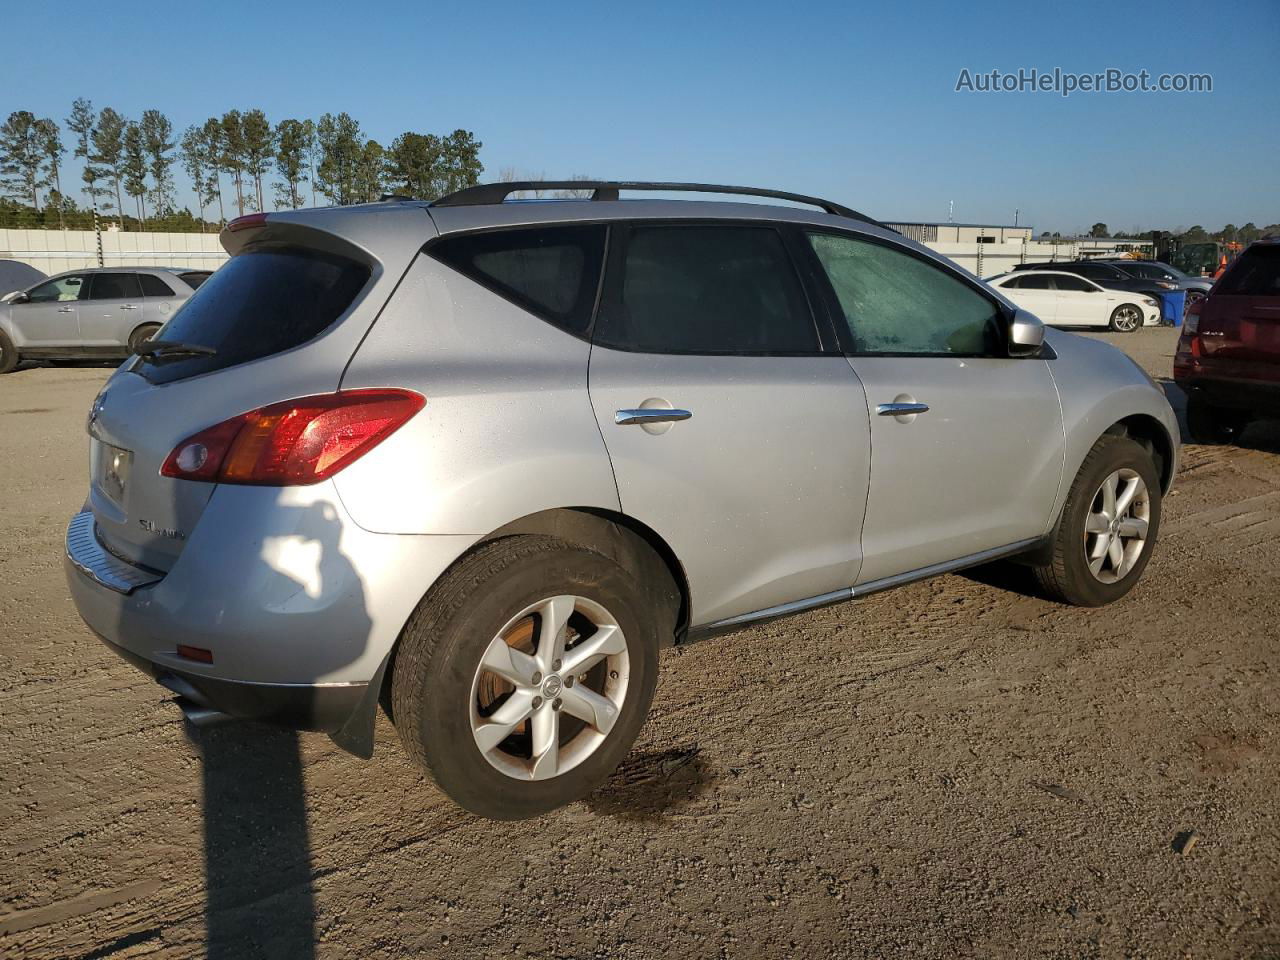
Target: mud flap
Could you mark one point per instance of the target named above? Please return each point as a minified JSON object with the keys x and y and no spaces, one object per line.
{"x":356,"y":735}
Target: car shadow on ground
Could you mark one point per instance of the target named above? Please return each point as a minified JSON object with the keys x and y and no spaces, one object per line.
{"x":651,"y":784}
{"x":259,"y":901}
{"x":1261,"y":435}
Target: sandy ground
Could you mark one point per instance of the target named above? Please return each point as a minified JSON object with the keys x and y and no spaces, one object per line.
{"x":954,"y":769}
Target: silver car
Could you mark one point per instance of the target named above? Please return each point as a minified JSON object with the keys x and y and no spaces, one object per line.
{"x":482,"y":460}
{"x":90,"y":313}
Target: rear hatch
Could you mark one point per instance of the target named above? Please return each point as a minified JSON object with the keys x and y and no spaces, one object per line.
{"x":282,"y":318}
{"x":1239,"y":325}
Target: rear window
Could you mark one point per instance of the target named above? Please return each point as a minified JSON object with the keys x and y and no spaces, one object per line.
{"x":260,"y":303}
{"x":552,"y":272}
{"x":1255,"y":274}
{"x":194,"y":280}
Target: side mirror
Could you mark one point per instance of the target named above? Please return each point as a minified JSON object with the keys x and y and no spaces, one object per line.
{"x":18,"y":296}
{"x":1026,"y":334}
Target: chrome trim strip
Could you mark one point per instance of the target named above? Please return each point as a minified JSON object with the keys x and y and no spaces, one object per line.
{"x":625,"y":418}
{"x":853,"y":593}
{"x":92,"y":559}
{"x":948,"y":566}
{"x":781,"y":610}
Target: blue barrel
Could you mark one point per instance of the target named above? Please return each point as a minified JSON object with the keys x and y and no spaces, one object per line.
{"x":1171,"y":307}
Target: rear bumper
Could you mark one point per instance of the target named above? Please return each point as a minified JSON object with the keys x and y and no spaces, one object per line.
{"x":323,"y":707}
{"x":1258,"y":398}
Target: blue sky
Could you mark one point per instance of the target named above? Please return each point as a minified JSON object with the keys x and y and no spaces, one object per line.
{"x":835,"y":99}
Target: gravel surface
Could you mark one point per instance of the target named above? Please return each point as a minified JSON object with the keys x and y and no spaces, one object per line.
{"x":956,"y":768}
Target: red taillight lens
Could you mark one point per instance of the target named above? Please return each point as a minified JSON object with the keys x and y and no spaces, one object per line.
{"x":246,"y":222}
{"x":293,"y":443}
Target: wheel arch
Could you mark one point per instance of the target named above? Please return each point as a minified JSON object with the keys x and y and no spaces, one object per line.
{"x":1150,"y":433}
{"x":632,"y":544}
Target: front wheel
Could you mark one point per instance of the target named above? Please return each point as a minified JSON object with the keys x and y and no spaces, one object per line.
{"x":524,"y":676}
{"x":8,"y":354}
{"x":1126,"y":318}
{"x":142,"y":335}
{"x":1108,"y":526}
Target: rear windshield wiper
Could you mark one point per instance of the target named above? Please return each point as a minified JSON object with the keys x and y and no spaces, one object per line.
{"x":173,"y":349}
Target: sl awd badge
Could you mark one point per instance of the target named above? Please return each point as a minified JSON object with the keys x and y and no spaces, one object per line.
{"x":150,"y":527}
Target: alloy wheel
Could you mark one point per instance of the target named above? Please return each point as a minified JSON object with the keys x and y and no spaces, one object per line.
{"x":1128,"y":319}
{"x":1115,"y":529}
{"x":549,"y":687}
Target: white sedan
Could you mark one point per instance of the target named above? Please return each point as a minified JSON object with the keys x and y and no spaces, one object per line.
{"x":1067,"y":300}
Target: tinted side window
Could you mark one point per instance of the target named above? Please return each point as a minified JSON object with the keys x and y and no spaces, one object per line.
{"x":1255,"y":274}
{"x":897,"y":303}
{"x":552,"y":272}
{"x":153,"y":286}
{"x":1037,"y":282}
{"x":115,"y":286}
{"x":1073,"y":284}
{"x":260,"y":302}
{"x":706,"y":289}
{"x":1015,"y":283}
{"x":195,"y":278}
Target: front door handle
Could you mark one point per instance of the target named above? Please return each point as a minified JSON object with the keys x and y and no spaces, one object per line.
{"x":66,"y":309}
{"x":901,"y":409}
{"x":128,"y":306}
{"x":625,"y":418}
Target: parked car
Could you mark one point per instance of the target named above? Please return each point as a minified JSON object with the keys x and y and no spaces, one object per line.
{"x":16,"y":275}
{"x":1105,"y":275}
{"x":1196,"y":288}
{"x":1228,"y":357}
{"x":1068,"y":300}
{"x":482,"y":460}
{"x":102,"y":313}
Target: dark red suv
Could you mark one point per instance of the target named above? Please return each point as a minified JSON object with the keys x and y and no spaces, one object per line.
{"x":1228,"y":358}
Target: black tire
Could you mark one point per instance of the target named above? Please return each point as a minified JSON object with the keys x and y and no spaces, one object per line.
{"x":1122,"y":318}
{"x":1066,"y":577}
{"x":8,"y":354}
{"x":142,"y":335}
{"x":1193,"y":296}
{"x":1212,"y":425}
{"x":440,"y":651}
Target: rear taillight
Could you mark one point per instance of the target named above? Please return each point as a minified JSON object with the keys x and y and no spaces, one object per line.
{"x":293,"y":443}
{"x":1191,"y":321}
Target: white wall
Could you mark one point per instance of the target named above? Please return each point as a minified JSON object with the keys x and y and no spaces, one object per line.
{"x":1003,"y":257}
{"x":53,"y":251}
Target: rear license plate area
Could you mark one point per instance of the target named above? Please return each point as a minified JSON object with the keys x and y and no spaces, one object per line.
{"x":112,"y":467}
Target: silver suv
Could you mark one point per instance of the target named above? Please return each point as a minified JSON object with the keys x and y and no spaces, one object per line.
{"x":481,"y":460}
{"x":90,"y":313}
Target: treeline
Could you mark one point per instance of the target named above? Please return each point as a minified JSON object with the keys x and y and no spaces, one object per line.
{"x":128,"y":167}
{"x":1230,"y":233}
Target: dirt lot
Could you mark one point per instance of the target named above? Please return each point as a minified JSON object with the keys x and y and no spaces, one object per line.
{"x":954,"y":769}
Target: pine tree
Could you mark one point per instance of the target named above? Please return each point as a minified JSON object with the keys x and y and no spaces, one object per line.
{"x":157,"y":144}
{"x":22,"y":156}
{"x":134,"y":169}
{"x":108,"y":145}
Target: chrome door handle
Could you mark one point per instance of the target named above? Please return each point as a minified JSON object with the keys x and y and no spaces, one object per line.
{"x":66,"y":309}
{"x":901,"y":409}
{"x":128,"y":306}
{"x":625,"y":418}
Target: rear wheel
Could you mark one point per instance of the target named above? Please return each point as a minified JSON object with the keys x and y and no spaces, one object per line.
{"x":8,"y":354}
{"x":524,"y":676}
{"x":1126,"y":318}
{"x":1214,"y":425}
{"x":1193,"y":296}
{"x":142,"y":335}
{"x":1108,"y":526}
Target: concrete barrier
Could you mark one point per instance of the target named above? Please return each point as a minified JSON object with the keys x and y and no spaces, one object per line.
{"x":53,"y":251}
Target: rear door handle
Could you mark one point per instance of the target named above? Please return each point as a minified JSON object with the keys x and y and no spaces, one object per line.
{"x":625,"y":418}
{"x":66,"y":309}
{"x":128,"y":306}
{"x":901,"y":409}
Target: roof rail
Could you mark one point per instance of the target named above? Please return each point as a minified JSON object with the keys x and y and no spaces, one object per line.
{"x":486,"y":193}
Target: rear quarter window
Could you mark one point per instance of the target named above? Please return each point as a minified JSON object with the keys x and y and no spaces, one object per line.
{"x":261,"y":302}
{"x":1255,"y":274}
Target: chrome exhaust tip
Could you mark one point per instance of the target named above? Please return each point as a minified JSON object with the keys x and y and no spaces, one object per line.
{"x":201,"y":716}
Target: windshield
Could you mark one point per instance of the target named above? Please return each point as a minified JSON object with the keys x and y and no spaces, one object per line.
{"x":259,"y":303}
